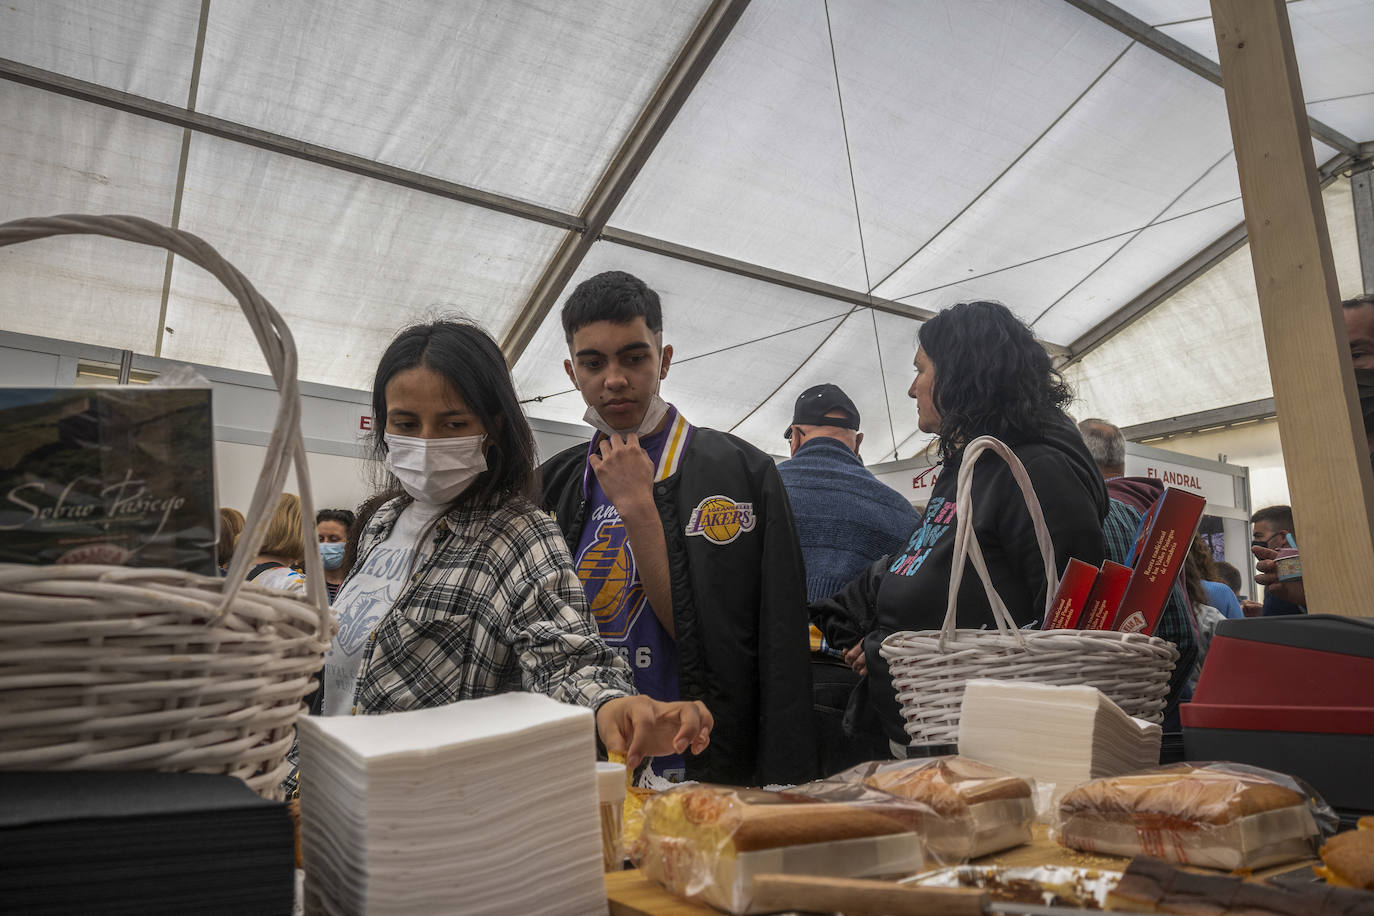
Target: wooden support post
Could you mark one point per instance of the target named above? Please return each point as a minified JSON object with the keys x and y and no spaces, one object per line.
{"x":1320,"y":425}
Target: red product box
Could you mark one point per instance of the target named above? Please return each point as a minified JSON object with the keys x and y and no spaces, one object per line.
{"x":1100,"y":609}
{"x":1074,"y":589}
{"x":1161,"y":546}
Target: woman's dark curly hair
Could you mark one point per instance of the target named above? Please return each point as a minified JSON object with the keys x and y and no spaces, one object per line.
{"x":991,"y":377}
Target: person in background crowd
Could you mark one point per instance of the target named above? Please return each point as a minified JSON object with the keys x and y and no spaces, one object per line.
{"x":1272,"y":531}
{"x":1231,"y":576}
{"x":1290,"y":596}
{"x":979,"y":371}
{"x":846,"y":519}
{"x":230,"y":527}
{"x":332,"y":527}
{"x":1359,"y":331}
{"x":1214,"y":589}
{"x":462,"y":587}
{"x":1129,"y":499}
{"x":1196,"y":567}
{"x":283,"y":547}
{"x":684,"y":542}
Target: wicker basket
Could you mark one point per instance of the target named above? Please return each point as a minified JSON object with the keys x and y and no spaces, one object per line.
{"x":112,"y":667}
{"x":929,"y":668}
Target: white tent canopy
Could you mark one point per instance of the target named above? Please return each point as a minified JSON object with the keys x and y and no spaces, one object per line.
{"x":837,"y":172}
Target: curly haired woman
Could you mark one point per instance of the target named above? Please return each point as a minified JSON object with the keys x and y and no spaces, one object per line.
{"x":979,"y":372}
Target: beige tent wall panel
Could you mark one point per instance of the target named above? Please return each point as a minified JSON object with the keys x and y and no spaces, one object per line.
{"x":521,"y":98}
{"x":145,"y":47}
{"x":704,"y":310}
{"x":336,"y":481}
{"x":348,"y":260}
{"x":60,"y":155}
{"x":1201,"y":348}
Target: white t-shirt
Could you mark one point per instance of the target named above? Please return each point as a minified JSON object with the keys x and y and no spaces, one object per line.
{"x":373,"y":587}
{"x":281,"y":577}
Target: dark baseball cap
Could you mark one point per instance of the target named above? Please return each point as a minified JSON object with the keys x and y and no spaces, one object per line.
{"x":814,"y":403}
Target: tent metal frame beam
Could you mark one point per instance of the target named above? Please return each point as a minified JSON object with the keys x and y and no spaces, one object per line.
{"x":765,"y":274}
{"x":1181,"y":276}
{"x":653,"y":122}
{"x":1140,"y":31}
{"x":16,"y":72}
{"x":1203,"y":419}
{"x":1362,"y":194}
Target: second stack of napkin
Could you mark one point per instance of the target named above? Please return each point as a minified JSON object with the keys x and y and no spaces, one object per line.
{"x":1058,"y":735}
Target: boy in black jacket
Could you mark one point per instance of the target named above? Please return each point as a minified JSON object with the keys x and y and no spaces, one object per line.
{"x":685,"y":544}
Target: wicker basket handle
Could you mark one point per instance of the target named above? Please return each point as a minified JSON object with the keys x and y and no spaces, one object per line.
{"x":966,"y":538}
{"x":278,"y":347}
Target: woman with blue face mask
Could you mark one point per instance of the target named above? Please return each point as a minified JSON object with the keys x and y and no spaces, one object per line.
{"x":332,"y":526}
{"x":462,"y":588}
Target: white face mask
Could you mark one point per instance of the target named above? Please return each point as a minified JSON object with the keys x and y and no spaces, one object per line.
{"x":653,"y":415}
{"x":435,"y":470}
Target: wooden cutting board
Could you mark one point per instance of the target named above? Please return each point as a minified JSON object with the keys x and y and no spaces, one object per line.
{"x":632,"y":894}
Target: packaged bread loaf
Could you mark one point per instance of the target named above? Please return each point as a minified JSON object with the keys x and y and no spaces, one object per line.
{"x":1218,"y":815}
{"x":976,"y":808}
{"x":707,"y":842}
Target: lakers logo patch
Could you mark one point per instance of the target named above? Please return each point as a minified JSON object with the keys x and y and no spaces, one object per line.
{"x":720,"y":519}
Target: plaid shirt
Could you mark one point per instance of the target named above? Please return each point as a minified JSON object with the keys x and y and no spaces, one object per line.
{"x":496,"y":607}
{"x":1175,"y":624}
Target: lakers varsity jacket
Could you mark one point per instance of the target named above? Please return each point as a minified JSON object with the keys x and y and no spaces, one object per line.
{"x":739,"y":599}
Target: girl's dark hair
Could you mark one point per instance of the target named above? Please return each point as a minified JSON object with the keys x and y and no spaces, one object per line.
{"x":991,"y":377}
{"x":473,"y":364}
{"x":342,"y":516}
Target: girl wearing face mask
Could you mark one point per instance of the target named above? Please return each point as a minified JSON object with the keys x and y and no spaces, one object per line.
{"x":332,"y":527}
{"x":461,"y":587}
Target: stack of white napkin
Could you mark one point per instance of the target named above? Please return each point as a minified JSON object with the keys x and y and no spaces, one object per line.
{"x":1063,"y":736}
{"x":483,"y":806}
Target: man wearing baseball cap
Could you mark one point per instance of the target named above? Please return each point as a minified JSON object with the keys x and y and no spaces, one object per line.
{"x":846,"y":519}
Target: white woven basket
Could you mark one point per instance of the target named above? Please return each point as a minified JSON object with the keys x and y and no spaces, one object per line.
{"x":113,"y":667}
{"x":929,"y":668}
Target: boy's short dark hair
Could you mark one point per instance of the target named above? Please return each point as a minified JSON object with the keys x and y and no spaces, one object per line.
{"x":614,"y":296}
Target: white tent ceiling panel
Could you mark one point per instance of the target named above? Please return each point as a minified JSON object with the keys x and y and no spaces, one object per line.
{"x":940,"y":98}
{"x":704,"y":311}
{"x":65,"y":156}
{"x":1334,"y":44}
{"x":522,"y":98}
{"x":1136,"y":142}
{"x":754,"y":165}
{"x":1026,"y":287}
{"x":348,"y":260}
{"x":1203,"y":347}
{"x":851,"y":359}
{"x":1133,"y":268}
{"x":145,"y":47}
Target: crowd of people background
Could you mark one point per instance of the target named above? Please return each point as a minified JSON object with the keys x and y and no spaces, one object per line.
{"x":720,"y":613}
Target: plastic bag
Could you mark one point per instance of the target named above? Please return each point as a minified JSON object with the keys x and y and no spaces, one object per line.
{"x":1219,"y":815}
{"x":708,"y":842}
{"x":978,"y":808}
